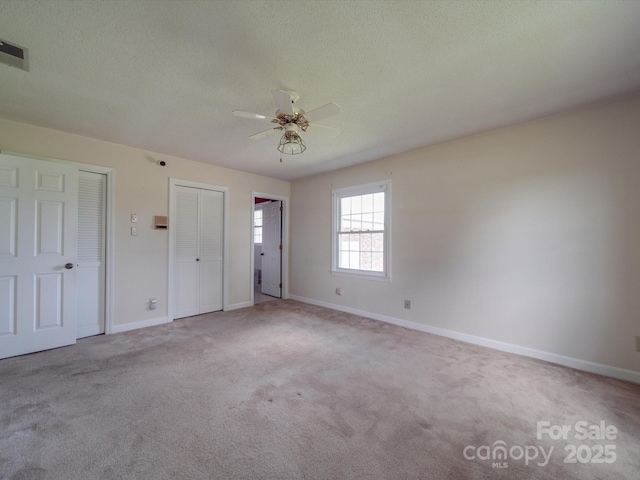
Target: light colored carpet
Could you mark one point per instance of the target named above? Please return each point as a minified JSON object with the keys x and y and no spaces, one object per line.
{"x":285,"y":390}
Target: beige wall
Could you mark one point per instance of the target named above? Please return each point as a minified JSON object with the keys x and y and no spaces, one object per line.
{"x":142,"y":187}
{"x":528,"y":235}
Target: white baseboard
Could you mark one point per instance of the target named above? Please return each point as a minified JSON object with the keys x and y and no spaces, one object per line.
{"x":236,"y":306}
{"x":591,"y":367}
{"x":141,"y":324}
{"x":160,"y":320}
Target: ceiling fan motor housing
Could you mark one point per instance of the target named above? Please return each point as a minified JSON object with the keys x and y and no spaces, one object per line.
{"x":296,"y":119}
{"x":291,"y":128}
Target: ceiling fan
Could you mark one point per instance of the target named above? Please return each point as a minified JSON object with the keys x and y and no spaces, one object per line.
{"x":292,"y":120}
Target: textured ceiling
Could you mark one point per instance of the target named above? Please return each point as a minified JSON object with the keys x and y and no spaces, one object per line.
{"x":166,"y":75}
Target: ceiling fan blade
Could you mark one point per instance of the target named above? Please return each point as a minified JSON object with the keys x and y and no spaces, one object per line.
{"x":283,"y":101}
{"x":265,"y":134}
{"x":324,"y":131}
{"x":325,"y":111}
{"x":253,"y":116}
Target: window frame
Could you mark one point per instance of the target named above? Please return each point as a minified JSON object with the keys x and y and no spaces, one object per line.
{"x":356,"y":190}
{"x":255,"y":226}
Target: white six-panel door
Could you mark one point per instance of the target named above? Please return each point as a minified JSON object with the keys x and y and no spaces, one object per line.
{"x":272,"y":249}
{"x":38,"y":222}
{"x":198,"y":251}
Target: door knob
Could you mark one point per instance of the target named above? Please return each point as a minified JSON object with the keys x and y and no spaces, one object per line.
{"x":68,"y":266}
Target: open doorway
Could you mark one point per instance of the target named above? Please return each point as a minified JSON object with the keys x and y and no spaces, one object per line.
{"x":267,"y":249}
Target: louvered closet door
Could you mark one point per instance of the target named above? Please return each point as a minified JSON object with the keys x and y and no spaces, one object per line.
{"x":210,"y":251}
{"x":198,"y":251}
{"x":186,"y":266}
{"x":91,"y":253}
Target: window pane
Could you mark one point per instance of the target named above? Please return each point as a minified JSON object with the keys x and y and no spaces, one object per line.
{"x":378,"y":221}
{"x":345,"y":223}
{"x":343,"y":241}
{"x":354,"y":241}
{"x":356,"y":204}
{"x":345,"y":206}
{"x":344,"y":260}
{"x":365,"y":261}
{"x":354,"y":259}
{"x":367,"y":221}
{"x":377,"y":263}
{"x":356,"y":222}
{"x":377,"y":241}
{"x":365,"y":242}
{"x":367,"y":203}
{"x":378,"y":202}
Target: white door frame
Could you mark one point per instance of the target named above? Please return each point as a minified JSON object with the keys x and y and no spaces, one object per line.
{"x":285,"y":241}
{"x":173,"y":182}
{"x":108,"y":284}
{"x":271,"y":255}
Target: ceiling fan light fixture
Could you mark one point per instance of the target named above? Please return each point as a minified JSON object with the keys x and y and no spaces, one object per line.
{"x":292,"y":120}
{"x":291,"y":143}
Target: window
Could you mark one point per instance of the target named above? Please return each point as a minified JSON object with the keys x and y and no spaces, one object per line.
{"x":257,"y":225}
{"x":361,"y":230}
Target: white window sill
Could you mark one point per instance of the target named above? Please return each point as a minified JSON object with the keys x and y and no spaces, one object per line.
{"x":361,"y":276}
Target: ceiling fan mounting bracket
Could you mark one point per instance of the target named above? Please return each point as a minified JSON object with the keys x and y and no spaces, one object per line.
{"x":294,"y":96}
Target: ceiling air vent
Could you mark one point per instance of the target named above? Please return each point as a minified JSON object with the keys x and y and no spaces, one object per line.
{"x":13,"y":55}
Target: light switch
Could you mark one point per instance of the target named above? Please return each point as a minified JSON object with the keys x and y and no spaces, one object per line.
{"x":134,"y":231}
{"x":134,"y":218}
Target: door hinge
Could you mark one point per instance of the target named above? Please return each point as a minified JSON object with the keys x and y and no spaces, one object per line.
{"x":280,"y":209}
{"x":279,"y":247}
{"x":279,"y":285}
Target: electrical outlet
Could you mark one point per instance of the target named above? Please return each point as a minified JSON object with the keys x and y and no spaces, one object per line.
{"x":338,"y":291}
{"x":637,"y":344}
{"x":134,"y":217}
{"x":407,"y":304}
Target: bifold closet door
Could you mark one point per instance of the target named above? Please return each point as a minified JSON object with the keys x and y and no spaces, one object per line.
{"x":210,"y":251}
{"x":198,"y":251}
{"x":90,"y":263}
